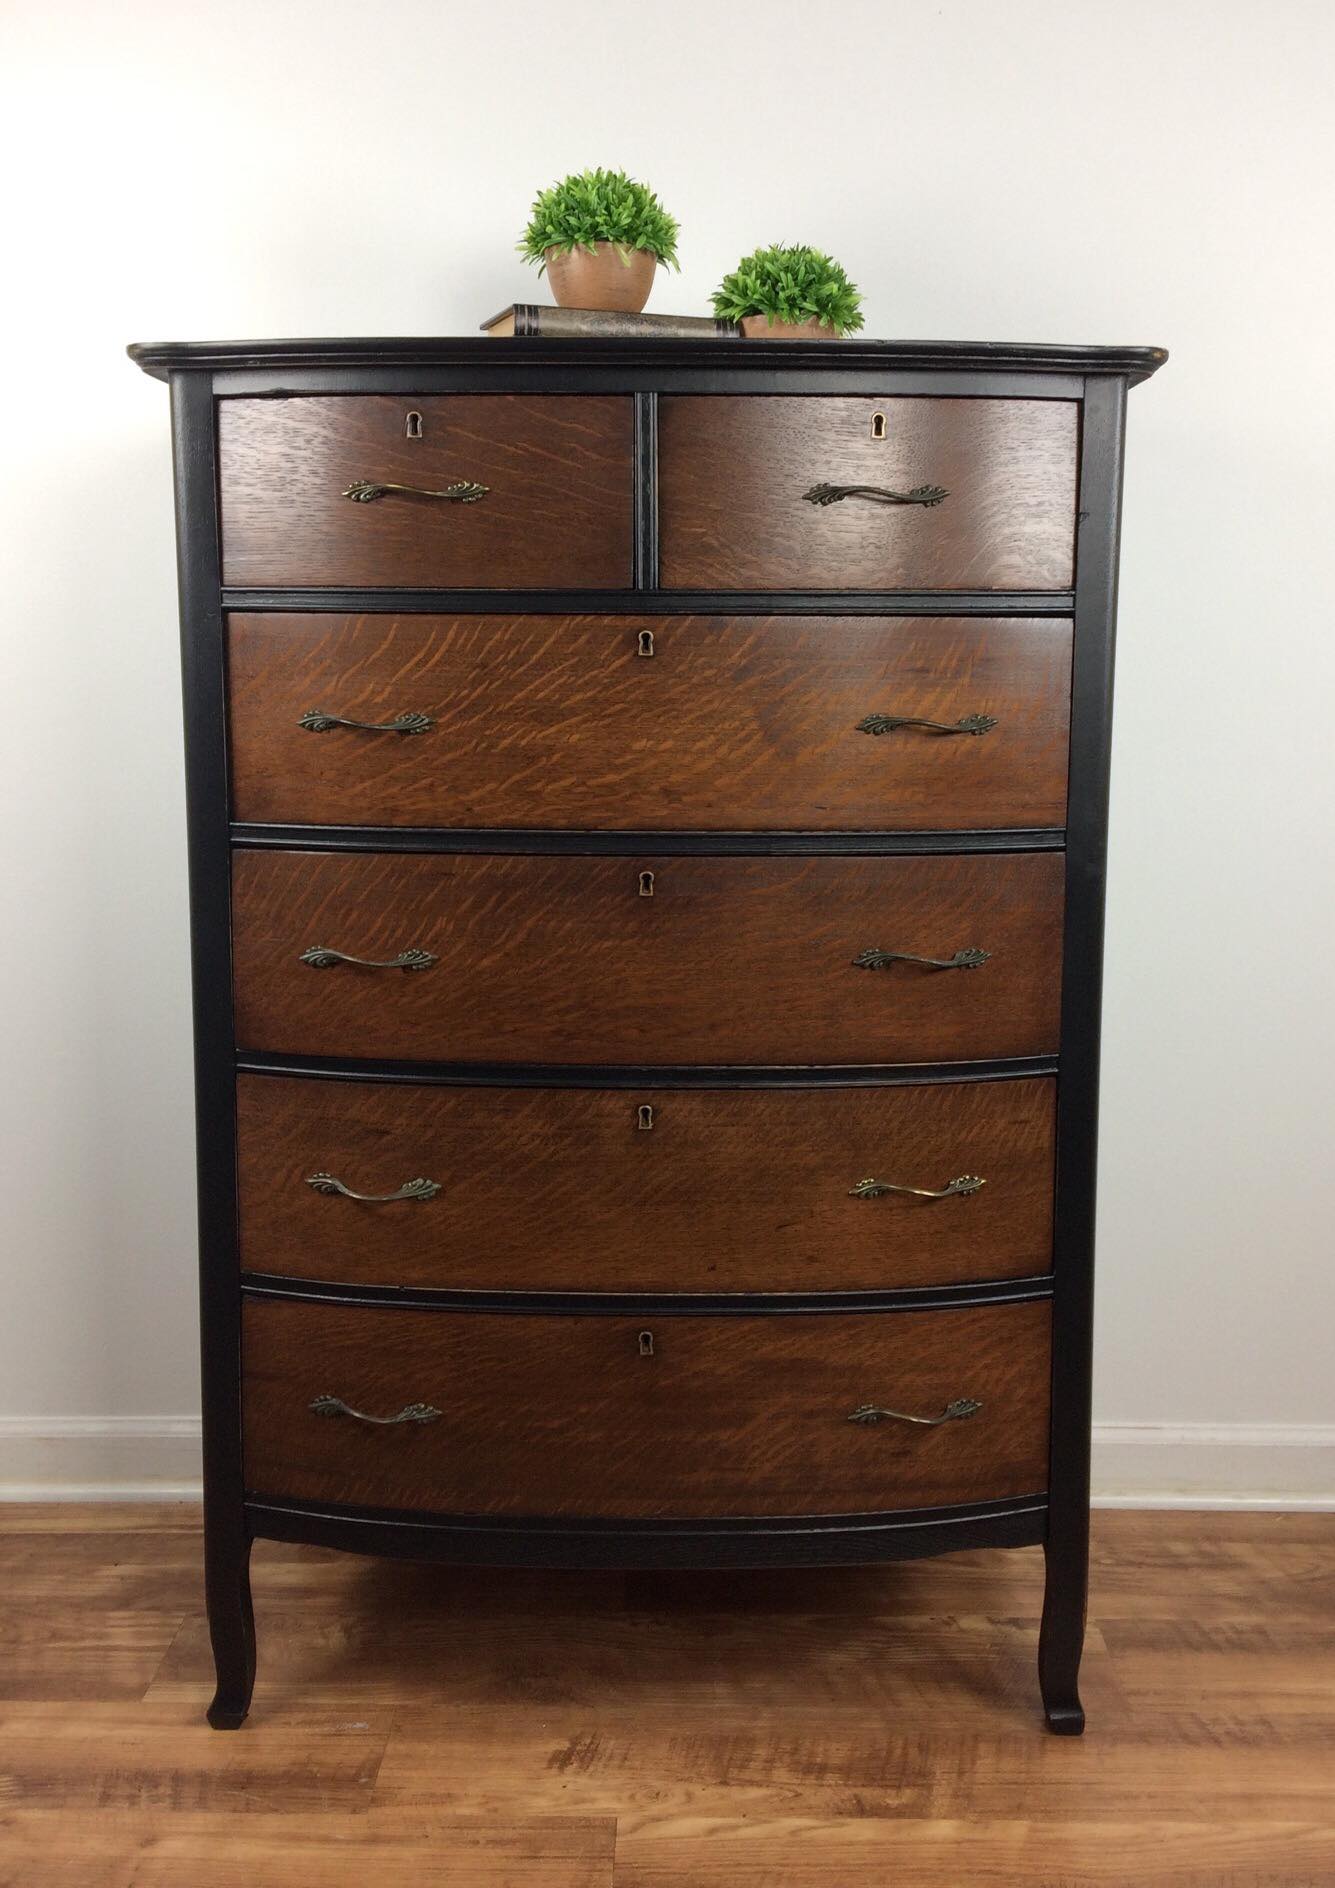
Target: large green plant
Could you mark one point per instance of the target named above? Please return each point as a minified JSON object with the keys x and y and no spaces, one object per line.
{"x":599,"y":206}
{"x":790,"y":282}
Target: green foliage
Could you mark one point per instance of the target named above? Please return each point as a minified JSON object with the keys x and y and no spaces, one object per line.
{"x":599,"y":206}
{"x":790,"y":282}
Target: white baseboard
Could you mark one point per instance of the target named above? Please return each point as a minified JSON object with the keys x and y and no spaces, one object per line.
{"x":1214,"y":1465}
{"x":1136,"y":1465}
{"x":99,"y":1458}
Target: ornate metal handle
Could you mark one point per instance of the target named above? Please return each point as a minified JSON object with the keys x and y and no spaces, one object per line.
{"x":410,"y":1190}
{"x":873,"y":1189}
{"x":319,"y":957}
{"x":920,"y":495}
{"x":315,"y":721}
{"x":962,"y":960}
{"x":462,"y":492}
{"x":956,"y":1412}
{"x":886,"y":724}
{"x":410,"y":1413}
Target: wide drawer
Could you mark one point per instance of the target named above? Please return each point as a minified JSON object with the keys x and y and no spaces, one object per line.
{"x":598,"y":1190}
{"x":770,"y":492}
{"x":561,"y":959}
{"x":557,"y":510}
{"x":815,"y":723}
{"x":668,"y":1416}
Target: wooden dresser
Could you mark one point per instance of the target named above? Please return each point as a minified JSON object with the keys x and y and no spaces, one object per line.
{"x":647,"y":810}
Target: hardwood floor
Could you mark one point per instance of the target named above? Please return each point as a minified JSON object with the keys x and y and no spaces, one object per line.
{"x":424,"y":1726}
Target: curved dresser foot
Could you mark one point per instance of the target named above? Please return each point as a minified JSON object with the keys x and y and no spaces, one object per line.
{"x":1062,"y":1638}
{"x":1065,"y":1718}
{"x":232,"y":1632}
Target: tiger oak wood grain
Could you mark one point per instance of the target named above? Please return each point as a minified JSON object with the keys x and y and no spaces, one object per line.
{"x":733,"y":471}
{"x":563,"y":1416}
{"x":733,"y":722}
{"x":559,"y":959}
{"x":552,"y":1190}
{"x":558,"y":512}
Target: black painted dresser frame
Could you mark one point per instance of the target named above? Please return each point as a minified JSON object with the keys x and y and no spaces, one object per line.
{"x":1056,"y":1518}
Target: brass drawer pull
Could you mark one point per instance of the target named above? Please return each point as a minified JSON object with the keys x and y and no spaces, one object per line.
{"x":920,"y":495}
{"x":319,"y":957}
{"x":886,"y":724}
{"x":962,"y":960}
{"x":462,"y":492}
{"x":315,"y":721}
{"x":874,"y":1189}
{"x":410,"y":1190}
{"x":410,"y":1413}
{"x":955,"y":1412}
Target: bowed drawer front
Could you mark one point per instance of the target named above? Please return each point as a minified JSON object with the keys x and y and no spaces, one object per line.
{"x":647,"y":1189}
{"x":650,"y":723}
{"x":612,"y":1416}
{"x":495,"y":491}
{"x":846,"y":494}
{"x":463,"y":958}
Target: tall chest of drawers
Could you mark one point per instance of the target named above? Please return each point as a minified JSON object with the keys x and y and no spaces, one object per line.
{"x":647,"y":809}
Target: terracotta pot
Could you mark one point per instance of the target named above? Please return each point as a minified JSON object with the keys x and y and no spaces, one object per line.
{"x":760,"y":328}
{"x":602,"y":280}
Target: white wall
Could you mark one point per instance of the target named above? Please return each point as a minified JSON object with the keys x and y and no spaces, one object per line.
{"x":1033,"y":170}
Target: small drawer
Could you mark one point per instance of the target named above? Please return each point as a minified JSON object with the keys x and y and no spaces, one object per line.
{"x":653,"y":1190}
{"x":560,"y":959}
{"x":542,"y":491}
{"x":850,"y":493}
{"x":650,"y":723}
{"x":504,"y":1413}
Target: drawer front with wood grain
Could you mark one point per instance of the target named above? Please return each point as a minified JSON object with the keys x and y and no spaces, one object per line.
{"x":501,"y":1413}
{"x":782,"y":492}
{"x":650,"y":723}
{"x":499,"y":490}
{"x":558,"y":959}
{"x":659,"y":1190}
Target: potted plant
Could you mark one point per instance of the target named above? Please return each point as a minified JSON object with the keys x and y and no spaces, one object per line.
{"x":789,"y":292}
{"x":600,"y":236}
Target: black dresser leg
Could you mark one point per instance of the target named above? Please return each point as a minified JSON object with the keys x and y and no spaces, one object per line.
{"x":232,"y":1631}
{"x":1062,"y":1637}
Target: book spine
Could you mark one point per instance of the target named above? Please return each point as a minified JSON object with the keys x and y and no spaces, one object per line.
{"x":534,"y":319}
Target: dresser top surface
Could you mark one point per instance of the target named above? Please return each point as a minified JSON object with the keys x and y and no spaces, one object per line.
{"x":164,"y":358}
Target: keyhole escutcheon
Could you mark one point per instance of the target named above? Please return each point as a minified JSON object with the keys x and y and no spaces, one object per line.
{"x":645,"y":645}
{"x":413,"y":425}
{"x":878,"y":425}
{"x":644,"y":1117}
{"x":646,"y":884}
{"x":646,"y":1343}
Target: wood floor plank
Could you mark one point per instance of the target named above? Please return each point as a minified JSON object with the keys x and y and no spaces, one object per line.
{"x":150,"y":1758}
{"x":82,"y":1652}
{"x":952,"y":1854}
{"x":808,"y":1761}
{"x":113,"y":1849}
{"x":806,"y":1728}
{"x":901,"y":1665}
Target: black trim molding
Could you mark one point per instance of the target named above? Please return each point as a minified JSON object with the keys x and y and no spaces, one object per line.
{"x":162,"y":358}
{"x":597,"y":1075}
{"x":650,"y":602}
{"x":808,"y":1540}
{"x":543,"y":839}
{"x":1008,"y":1291}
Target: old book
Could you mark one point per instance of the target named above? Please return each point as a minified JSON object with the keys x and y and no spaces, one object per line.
{"x":530,"y":318}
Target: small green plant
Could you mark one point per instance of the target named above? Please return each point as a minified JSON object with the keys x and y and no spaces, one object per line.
{"x":599,"y":206}
{"x":790,"y":282}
